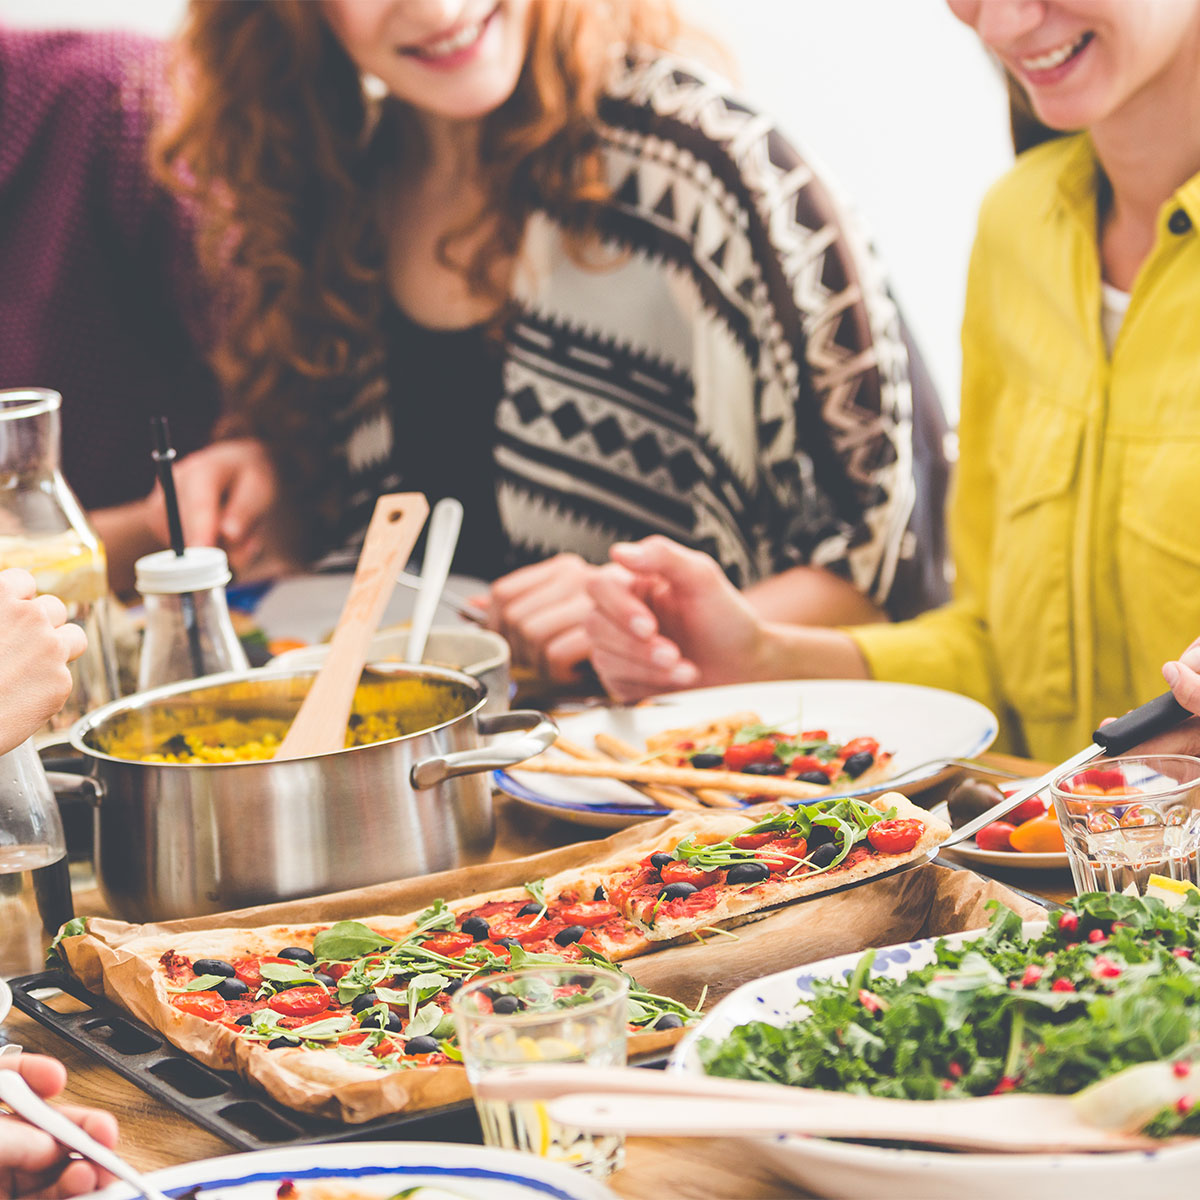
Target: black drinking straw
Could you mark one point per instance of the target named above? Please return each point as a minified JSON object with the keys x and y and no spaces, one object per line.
{"x":164,"y":456}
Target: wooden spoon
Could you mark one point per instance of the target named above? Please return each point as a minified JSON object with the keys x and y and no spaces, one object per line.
{"x":652,"y":1104}
{"x":320,"y":725}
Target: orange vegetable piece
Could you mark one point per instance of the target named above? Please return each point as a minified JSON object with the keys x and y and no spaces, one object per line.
{"x":1039,"y":836}
{"x":1088,"y":789}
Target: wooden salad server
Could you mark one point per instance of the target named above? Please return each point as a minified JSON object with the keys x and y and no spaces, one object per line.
{"x":320,"y":725}
{"x":1105,"y":1117}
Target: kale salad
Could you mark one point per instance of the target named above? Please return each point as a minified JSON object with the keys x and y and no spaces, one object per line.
{"x":1112,"y":981}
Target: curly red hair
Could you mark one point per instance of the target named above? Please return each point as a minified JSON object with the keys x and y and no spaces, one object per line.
{"x":274,"y":143}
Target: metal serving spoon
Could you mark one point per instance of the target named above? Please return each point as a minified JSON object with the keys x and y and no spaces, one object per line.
{"x":444,"y":526}
{"x":28,"y":1105}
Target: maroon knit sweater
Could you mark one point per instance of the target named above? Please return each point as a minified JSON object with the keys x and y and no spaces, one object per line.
{"x":100,"y":295}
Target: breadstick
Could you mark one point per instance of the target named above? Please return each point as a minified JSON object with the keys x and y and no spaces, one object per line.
{"x":623,"y":751}
{"x":686,"y":777}
{"x":660,"y":796}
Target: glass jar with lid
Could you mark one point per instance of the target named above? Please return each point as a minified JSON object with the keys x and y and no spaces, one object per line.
{"x":44,"y":529}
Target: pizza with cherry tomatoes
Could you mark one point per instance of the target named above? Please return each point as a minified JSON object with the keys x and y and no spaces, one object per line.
{"x":742,"y":743}
{"x":731,"y":870}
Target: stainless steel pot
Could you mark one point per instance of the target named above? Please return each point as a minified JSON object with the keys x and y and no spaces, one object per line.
{"x":176,"y":840}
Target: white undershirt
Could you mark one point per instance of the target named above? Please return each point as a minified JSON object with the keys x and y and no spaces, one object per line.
{"x":1113,"y":306}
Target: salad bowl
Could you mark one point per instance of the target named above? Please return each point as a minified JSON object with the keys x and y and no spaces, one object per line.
{"x":849,"y":1170}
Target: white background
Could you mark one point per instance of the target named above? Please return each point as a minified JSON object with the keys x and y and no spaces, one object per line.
{"x":894,"y":96}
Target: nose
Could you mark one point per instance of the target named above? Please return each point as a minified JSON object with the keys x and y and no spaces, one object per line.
{"x":1002,"y":22}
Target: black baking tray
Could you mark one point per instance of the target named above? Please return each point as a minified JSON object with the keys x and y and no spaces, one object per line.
{"x":218,"y":1101}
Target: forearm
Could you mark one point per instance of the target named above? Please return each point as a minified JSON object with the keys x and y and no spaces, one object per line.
{"x":811,"y":596}
{"x":126,"y":535}
{"x":787,"y":651}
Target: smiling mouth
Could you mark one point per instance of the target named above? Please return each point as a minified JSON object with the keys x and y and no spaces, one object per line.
{"x":1057,"y":56}
{"x":455,"y":43}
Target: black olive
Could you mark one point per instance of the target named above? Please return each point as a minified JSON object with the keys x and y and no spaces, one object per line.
{"x":363,"y":1001}
{"x":856,"y":764}
{"x":818,"y":835}
{"x":355,"y":720}
{"x":297,"y":954}
{"x":668,"y":1021}
{"x":660,"y":860}
{"x":823,"y":855}
{"x":767,"y":768}
{"x":747,"y":872}
{"x":572,"y":933}
{"x":245,"y":1019}
{"x":279,"y":1042}
{"x":327,"y":980}
{"x":818,"y":777}
{"x":453,"y":986}
{"x":231,"y":989}
{"x":528,"y":910}
{"x":677,"y":891}
{"x":391,"y":1023}
{"x":477,"y":927}
{"x":707,"y":762}
{"x":969,"y":799}
{"x":581,"y":981}
{"x":490,"y":993}
{"x":598,"y":894}
{"x":175,"y":744}
{"x":214,"y":966}
{"x":506,"y":941}
{"x":421,"y":1045}
{"x":507,"y":1004}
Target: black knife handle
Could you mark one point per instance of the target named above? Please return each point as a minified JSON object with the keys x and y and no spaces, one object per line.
{"x":1154,"y":717}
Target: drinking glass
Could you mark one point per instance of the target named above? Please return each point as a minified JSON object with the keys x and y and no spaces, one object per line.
{"x":572,"y":1014}
{"x":1125,"y":819}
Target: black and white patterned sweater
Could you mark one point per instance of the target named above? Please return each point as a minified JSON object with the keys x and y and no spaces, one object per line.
{"x":738,"y":380}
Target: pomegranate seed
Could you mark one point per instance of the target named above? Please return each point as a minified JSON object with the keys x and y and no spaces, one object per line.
{"x":1062,"y":985}
{"x":1005,"y":1085}
{"x":955,"y":1070}
{"x":1097,"y":935}
{"x":947,"y":1084}
{"x":869,"y":1000}
{"x":1105,"y":968}
{"x":1181,"y":952}
{"x":1181,"y":1070}
{"x":1031,"y":976}
{"x":1184,"y":1105}
{"x":1068,"y":921}
{"x":1072,"y":945}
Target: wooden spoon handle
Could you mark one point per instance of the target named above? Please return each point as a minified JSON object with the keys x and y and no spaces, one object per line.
{"x":320,"y":725}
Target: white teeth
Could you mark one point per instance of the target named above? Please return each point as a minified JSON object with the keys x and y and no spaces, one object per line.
{"x":452,"y":45}
{"x":1054,"y":58}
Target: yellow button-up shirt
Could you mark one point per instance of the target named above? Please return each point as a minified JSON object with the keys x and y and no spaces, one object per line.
{"x":1076,"y":516}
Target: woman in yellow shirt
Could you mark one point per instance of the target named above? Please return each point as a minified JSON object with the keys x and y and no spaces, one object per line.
{"x":1076,"y":520}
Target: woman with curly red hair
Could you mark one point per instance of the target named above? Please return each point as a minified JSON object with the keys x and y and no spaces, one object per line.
{"x":518,"y":252}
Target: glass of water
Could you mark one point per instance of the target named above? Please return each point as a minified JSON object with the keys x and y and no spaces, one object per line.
{"x":572,"y":1014}
{"x":1125,"y":819}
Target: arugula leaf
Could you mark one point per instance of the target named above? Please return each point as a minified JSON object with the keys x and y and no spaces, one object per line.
{"x":347,"y":940}
{"x":73,"y":928}
{"x":437,"y":916}
{"x":426,"y":1019}
{"x":288,"y":975}
{"x":202,"y":983}
{"x":537,"y":890}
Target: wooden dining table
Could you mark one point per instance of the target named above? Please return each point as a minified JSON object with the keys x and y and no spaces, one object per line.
{"x":154,"y":1136}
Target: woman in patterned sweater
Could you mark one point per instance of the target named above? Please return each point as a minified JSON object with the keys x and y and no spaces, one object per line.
{"x":595,"y":295}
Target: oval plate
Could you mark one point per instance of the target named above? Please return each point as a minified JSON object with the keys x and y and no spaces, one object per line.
{"x":969,"y":853}
{"x":378,"y":1170}
{"x":850,"y":1170}
{"x":919,"y":725}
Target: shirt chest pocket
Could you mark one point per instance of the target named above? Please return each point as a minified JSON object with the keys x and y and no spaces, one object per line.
{"x":1035,"y":457}
{"x":1158,"y":546}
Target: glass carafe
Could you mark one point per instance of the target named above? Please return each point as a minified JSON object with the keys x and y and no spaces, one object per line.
{"x":44,"y":529}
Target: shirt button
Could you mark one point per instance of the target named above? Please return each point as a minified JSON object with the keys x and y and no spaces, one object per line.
{"x":1179,"y":222}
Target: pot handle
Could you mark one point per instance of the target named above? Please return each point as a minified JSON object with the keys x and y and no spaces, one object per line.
{"x":539,"y":731}
{"x":63,"y":783}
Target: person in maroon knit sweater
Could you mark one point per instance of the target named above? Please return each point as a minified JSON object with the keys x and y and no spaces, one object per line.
{"x":100,"y":295}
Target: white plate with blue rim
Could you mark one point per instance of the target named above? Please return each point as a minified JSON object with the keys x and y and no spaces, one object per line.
{"x":849,"y":1170}
{"x":374,"y":1170}
{"x":920,"y":726}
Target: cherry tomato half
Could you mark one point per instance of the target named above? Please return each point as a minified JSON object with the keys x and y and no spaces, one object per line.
{"x":809,"y":762}
{"x":300,"y":1001}
{"x":448,"y":944}
{"x":679,"y":872}
{"x":896,"y":836}
{"x":752,"y":841}
{"x":587,"y":913}
{"x":1027,"y":810}
{"x":249,"y":970}
{"x":996,"y":836}
{"x":741,"y":755}
{"x":783,"y":854}
{"x":524,"y":929}
{"x":860,"y":745}
{"x":208,"y":1005}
